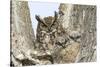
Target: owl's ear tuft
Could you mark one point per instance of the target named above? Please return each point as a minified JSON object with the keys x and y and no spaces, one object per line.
{"x":55,"y":16}
{"x":39,"y":19}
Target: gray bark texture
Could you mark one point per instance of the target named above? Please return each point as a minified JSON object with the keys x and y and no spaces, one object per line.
{"x":81,"y":18}
{"x":73,"y":40}
{"x":22,"y":35}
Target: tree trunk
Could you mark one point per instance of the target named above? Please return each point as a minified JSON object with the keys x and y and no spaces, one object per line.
{"x":22,"y":35}
{"x":82,"y":19}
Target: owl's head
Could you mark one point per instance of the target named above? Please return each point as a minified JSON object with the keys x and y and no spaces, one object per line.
{"x":47,"y":24}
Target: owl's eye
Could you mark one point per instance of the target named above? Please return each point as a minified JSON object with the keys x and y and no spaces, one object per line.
{"x":54,"y":26}
{"x":42,"y":25}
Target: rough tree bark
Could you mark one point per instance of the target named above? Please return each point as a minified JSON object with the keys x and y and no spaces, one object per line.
{"x":22,"y":35}
{"x":88,"y":39}
{"x":81,"y":18}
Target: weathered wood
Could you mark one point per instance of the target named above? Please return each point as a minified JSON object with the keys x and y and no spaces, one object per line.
{"x":88,"y":39}
{"x":22,"y":35}
{"x":81,"y":18}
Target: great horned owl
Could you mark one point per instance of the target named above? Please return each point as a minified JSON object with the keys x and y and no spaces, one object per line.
{"x":46,"y":29}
